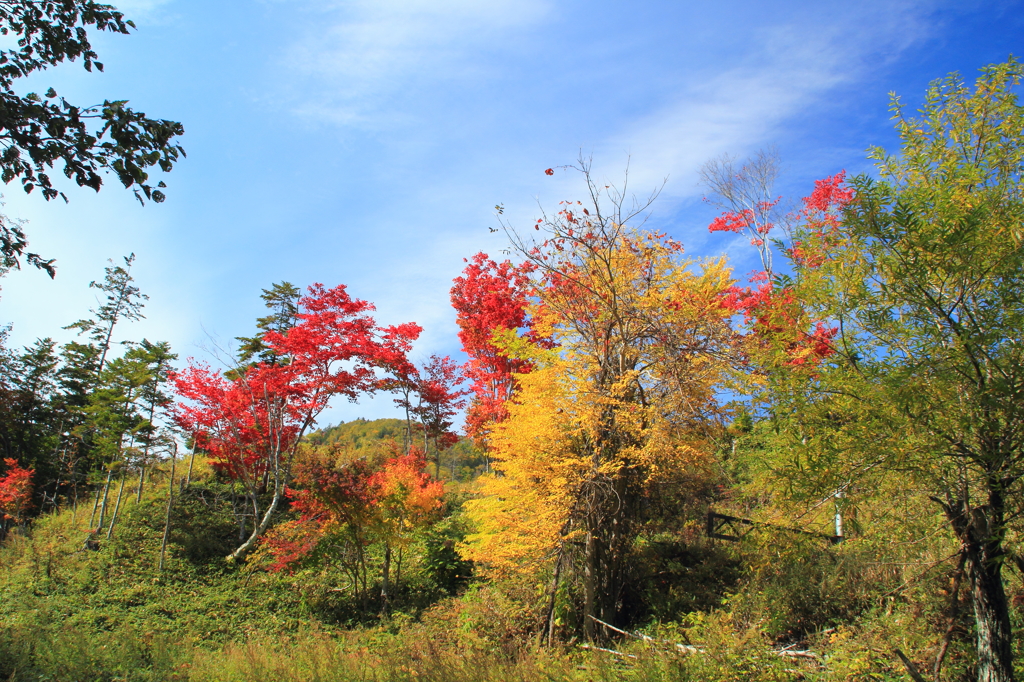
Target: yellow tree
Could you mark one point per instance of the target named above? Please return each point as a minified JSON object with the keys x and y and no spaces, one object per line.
{"x":625,"y":396}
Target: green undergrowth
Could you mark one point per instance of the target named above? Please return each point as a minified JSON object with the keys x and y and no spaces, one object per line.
{"x":73,"y":614}
{"x":68,"y":613}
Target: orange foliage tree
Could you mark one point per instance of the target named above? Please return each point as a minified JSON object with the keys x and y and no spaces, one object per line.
{"x":405,"y":499}
{"x":347,"y":506}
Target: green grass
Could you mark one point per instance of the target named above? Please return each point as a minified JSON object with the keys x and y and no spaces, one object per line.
{"x":70,"y":614}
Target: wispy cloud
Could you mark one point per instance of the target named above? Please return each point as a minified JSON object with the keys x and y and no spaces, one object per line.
{"x":359,"y":55}
{"x":790,"y":66}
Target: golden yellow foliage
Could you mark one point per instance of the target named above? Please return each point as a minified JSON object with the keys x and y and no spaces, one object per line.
{"x":624,"y":398}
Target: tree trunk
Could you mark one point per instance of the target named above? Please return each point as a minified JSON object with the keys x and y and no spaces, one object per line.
{"x":142,"y":480}
{"x":95,"y":506}
{"x":549,"y":622}
{"x":260,"y":527}
{"x":117,"y":506}
{"x":407,"y":436}
{"x":954,"y":612}
{"x":167,"y":518}
{"x":992,"y":619}
{"x":361,"y":563}
{"x":398,"y":568}
{"x":241,"y":520}
{"x":191,"y":462}
{"x":103,"y":506}
{"x":60,"y":467}
{"x":981,"y":531}
{"x":590,"y":569}
{"x":385,"y":596}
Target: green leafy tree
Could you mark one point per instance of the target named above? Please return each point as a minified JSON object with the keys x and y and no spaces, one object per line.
{"x":38,"y":133}
{"x":114,"y":418}
{"x":923,"y":282}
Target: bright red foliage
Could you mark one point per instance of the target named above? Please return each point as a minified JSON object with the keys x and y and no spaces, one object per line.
{"x":489,"y":297}
{"x":829,"y":196}
{"x":15,"y":491}
{"x":326,"y":497}
{"x":440,"y":400}
{"x":774,"y":312}
{"x":332,"y":350}
{"x":821,"y":214}
{"x":432,"y":395}
{"x":251,"y":425}
{"x":777,"y":314}
{"x":732,"y":221}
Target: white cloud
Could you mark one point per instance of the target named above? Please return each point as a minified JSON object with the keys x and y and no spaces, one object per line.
{"x":423,"y":201}
{"x":359,"y":54}
{"x":742,"y":108}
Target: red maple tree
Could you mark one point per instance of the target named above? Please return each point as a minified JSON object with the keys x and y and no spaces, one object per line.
{"x":770,"y":308}
{"x":440,"y":399}
{"x":15,"y":492}
{"x":252,"y":424}
{"x":489,"y":297}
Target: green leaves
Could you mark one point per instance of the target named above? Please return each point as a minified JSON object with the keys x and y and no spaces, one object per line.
{"x":37,"y":134}
{"x":926,"y":285}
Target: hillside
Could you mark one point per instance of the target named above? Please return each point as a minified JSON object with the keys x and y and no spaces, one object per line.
{"x":366,"y":438}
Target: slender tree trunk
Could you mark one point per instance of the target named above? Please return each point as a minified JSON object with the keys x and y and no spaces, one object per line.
{"x":398,"y":570}
{"x":261,"y":526}
{"x":103,"y":506}
{"x":142,"y":481}
{"x":590,"y":570}
{"x":95,"y":506}
{"x":549,"y":629}
{"x":117,"y":506}
{"x":191,"y":462}
{"x":361,"y":563}
{"x":385,"y":596}
{"x":954,"y":612}
{"x":60,"y":465}
{"x":167,"y":517}
{"x":408,"y":424}
{"x":240,"y":516}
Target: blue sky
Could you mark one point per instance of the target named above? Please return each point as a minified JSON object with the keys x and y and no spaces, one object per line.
{"x":367,"y":142}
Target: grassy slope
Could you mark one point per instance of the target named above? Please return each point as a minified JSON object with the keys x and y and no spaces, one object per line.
{"x":65,"y":606}
{"x":67,"y":613}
